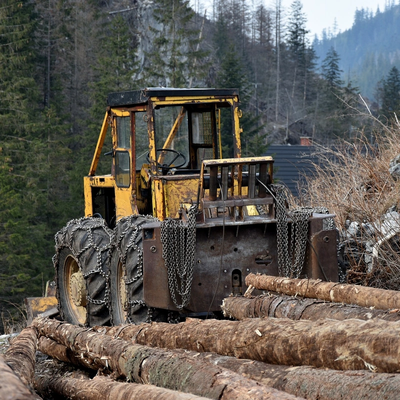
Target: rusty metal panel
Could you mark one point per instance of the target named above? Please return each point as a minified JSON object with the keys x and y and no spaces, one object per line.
{"x":323,"y":263}
{"x":224,"y":256}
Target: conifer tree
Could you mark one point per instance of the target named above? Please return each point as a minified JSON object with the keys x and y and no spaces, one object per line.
{"x":232,"y":75}
{"x":23,"y":228}
{"x":391,"y":94}
{"x":175,"y":56}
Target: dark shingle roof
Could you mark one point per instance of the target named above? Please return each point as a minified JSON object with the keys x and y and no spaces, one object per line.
{"x":291,"y":163}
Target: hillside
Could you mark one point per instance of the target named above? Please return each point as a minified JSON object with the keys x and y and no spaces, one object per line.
{"x":368,"y":50}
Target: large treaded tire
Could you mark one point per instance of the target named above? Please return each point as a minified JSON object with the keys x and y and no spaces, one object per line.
{"x":126,"y":274}
{"x":82,"y":249}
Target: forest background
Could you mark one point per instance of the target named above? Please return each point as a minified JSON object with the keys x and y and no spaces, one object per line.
{"x":60,"y":58}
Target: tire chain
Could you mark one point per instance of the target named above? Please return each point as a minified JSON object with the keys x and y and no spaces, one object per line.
{"x":291,"y":255}
{"x":132,"y":246}
{"x":87,"y":224}
{"x":178,"y":240}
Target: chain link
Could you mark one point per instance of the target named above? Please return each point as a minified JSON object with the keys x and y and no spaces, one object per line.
{"x":291,"y":255}
{"x":88,"y":224}
{"x":178,"y":240}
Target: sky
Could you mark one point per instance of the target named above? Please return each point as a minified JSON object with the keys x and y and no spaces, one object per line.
{"x":320,"y":14}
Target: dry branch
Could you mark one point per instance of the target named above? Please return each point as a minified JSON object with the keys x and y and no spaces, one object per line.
{"x":11,"y":387}
{"x":158,"y":367}
{"x":329,"y":291}
{"x":311,"y":383}
{"x":78,"y":386}
{"x":20,"y":356}
{"x":281,"y":306}
{"x":346,"y":345}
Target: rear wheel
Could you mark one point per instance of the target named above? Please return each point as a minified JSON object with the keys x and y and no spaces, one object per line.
{"x":81,"y":264}
{"x":126,"y":274}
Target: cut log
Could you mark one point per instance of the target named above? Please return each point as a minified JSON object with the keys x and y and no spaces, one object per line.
{"x":158,"y":367}
{"x":20,"y":356}
{"x":296,"y":308}
{"x":311,"y":383}
{"x":344,"y":345}
{"x":78,"y":386}
{"x":11,"y":387}
{"x":329,"y":291}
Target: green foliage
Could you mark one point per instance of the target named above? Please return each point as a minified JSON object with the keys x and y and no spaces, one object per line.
{"x":369,"y":49}
{"x":391,"y":95}
{"x":175,"y":56}
{"x":232,"y":75}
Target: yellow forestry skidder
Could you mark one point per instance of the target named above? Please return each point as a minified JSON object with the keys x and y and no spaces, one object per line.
{"x":174,"y":228}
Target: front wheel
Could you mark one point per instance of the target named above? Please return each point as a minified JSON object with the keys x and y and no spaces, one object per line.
{"x":126,"y":274}
{"x":81,"y":264}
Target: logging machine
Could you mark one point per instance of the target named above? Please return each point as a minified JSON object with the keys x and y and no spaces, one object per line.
{"x":175,"y":227}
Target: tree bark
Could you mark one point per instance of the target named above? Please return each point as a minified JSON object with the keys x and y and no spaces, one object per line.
{"x":158,"y":367}
{"x":311,"y":383}
{"x":329,"y":291}
{"x":296,"y":308}
{"x":344,"y":345}
{"x":80,"y":387}
{"x":11,"y":387}
{"x":21,"y":355}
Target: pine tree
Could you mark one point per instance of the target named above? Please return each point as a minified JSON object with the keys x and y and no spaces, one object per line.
{"x":23,"y":158}
{"x":391,"y":94}
{"x":175,"y":56}
{"x":232,"y":75}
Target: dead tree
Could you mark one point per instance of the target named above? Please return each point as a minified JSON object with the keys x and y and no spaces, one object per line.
{"x":344,"y":345}
{"x":329,"y":291}
{"x":153,"y":366}
{"x":281,"y":306}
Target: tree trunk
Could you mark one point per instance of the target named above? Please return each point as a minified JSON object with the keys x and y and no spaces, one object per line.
{"x":11,"y":387}
{"x":329,"y":291}
{"x":281,"y":306}
{"x":78,"y":386}
{"x":21,"y":355}
{"x":346,"y":345}
{"x":153,"y":366}
{"x":311,"y":383}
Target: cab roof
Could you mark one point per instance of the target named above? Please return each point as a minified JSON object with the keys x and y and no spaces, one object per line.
{"x":135,"y":97}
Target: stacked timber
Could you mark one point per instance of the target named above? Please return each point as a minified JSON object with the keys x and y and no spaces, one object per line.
{"x":290,"y":344}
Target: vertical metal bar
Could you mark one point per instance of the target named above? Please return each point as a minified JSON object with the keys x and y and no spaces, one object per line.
{"x":213,"y":182}
{"x":252,"y":181}
{"x":263,"y":177}
{"x":224,"y":176}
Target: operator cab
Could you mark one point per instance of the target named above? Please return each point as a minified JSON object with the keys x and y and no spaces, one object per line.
{"x":158,"y":135}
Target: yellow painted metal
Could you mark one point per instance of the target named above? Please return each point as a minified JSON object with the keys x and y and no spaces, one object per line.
{"x":106,"y":181}
{"x":100,"y":143}
{"x":70,"y":269}
{"x":78,"y":289}
{"x":197,"y":99}
{"x":120,"y":113}
{"x":38,"y":305}
{"x":167,"y":193}
{"x":123,"y":204}
{"x":238,"y":131}
{"x":242,"y":160}
{"x":219,"y":134}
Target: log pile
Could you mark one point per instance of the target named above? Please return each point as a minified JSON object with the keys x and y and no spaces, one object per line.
{"x":282,"y":345}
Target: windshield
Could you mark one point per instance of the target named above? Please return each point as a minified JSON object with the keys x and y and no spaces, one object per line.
{"x":171,"y":127}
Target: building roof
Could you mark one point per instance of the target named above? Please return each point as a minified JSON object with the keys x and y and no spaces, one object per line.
{"x":292,"y":163}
